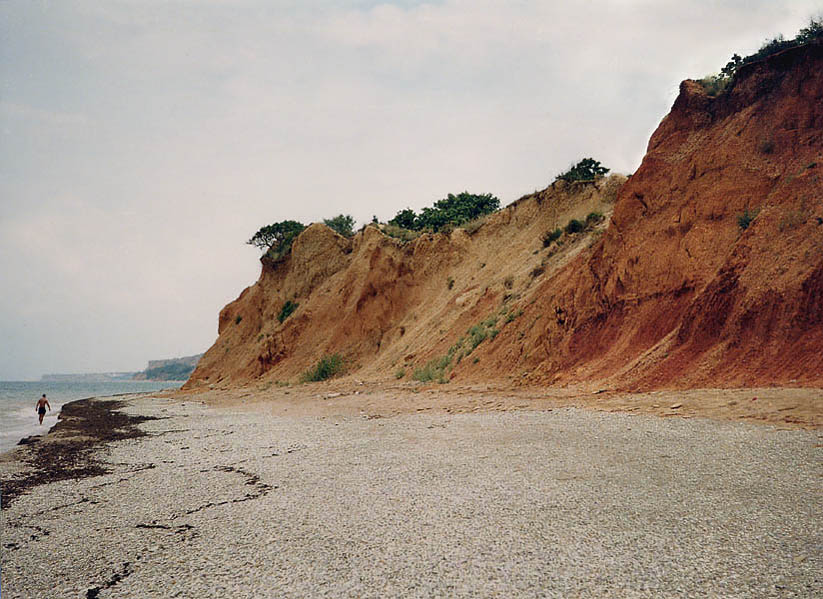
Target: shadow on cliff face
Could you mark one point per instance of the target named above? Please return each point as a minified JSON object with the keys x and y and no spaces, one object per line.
{"x":67,"y":453}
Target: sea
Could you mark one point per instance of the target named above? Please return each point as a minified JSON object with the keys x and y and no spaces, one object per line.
{"x":18,"y":417}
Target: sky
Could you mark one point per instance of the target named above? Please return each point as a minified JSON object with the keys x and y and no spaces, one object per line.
{"x":143,"y":142}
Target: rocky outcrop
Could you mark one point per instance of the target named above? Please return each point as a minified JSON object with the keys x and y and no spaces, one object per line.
{"x":670,"y":290}
{"x":171,"y":369}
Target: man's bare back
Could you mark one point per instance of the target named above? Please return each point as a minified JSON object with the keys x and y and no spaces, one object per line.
{"x":42,"y":404}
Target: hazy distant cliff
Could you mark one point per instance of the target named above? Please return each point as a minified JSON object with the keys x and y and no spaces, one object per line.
{"x":88,"y":377}
{"x":173,"y":369}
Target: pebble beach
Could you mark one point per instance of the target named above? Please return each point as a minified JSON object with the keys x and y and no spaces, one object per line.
{"x":227,"y":502}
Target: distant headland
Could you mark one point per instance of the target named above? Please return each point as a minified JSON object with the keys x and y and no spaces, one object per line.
{"x":172,"y":369}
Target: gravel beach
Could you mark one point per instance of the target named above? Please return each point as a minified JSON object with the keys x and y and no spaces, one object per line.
{"x":218,"y":502}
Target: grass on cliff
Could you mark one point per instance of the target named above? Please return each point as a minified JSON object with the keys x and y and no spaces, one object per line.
{"x":573,"y":226}
{"x":434,"y":370}
{"x":404,"y":235}
{"x":326,"y":368}
{"x":287,"y":310}
{"x":745,"y":220}
{"x":438,"y":369}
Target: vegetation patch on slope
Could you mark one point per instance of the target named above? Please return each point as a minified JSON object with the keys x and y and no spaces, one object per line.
{"x":717,"y":84}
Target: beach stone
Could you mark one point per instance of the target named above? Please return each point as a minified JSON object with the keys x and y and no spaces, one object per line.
{"x":518,"y":504}
{"x":30,"y":439}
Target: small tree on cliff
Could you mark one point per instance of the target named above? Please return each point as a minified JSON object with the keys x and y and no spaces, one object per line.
{"x":277,"y":238}
{"x":342,"y":224}
{"x":587,"y":169}
{"x":452,"y":210}
{"x":404,"y":218}
{"x":458,"y":209}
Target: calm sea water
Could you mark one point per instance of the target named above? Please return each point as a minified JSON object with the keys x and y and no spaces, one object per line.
{"x":18,"y":417}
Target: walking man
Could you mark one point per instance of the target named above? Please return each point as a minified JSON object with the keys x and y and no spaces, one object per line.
{"x":42,"y":404}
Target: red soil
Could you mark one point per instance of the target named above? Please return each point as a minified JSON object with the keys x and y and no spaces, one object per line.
{"x":670,"y":292}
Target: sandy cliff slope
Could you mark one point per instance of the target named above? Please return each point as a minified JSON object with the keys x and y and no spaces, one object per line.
{"x":668,"y":290}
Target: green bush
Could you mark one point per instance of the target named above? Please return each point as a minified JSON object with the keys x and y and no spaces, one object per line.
{"x":552,"y":236}
{"x":326,"y":368}
{"x":433,"y":370}
{"x":745,"y":219}
{"x":438,"y":368}
{"x":777,"y":44}
{"x":400,"y":373}
{"x":342,"y":224}
{"x":575,"y":226}
{"x":287,"y":310}
{"x":587,"y":169}
{"x":277,"y":237}
{"x":404,"y":219}
{"x":453,"y":210}
{"x":592,"y":218}
{"x":477,"y":335}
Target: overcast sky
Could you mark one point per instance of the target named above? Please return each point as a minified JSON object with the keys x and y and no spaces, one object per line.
{"x":143,"y":142}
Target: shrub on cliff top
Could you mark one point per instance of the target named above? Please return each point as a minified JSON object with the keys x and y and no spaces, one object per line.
{"x":777,"y":44}
{"x":276,"y":239}
{"x":717,"y":84}
{"x":451,"y":211}
{"x":342,"y":224}
{"x":587,"y":169}
{"x":404,"y":219}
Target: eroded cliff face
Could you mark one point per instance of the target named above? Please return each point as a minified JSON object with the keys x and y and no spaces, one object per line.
{"x":669,"y":291}
{"x":386,"y":305}
{"x":677,"y":293}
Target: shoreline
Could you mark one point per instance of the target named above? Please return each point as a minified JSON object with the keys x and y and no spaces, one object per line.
{"x":66,"y":451}
{"x":19,"y":417}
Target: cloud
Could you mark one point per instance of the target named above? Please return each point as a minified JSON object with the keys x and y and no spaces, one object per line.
{"x":144,"y":142}
{"x":46,"y":117}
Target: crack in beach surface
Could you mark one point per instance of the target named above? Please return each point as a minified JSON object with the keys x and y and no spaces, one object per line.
{"x":176,"y":529}
{"x":94,"y":592}
{"x":261,"y":489}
